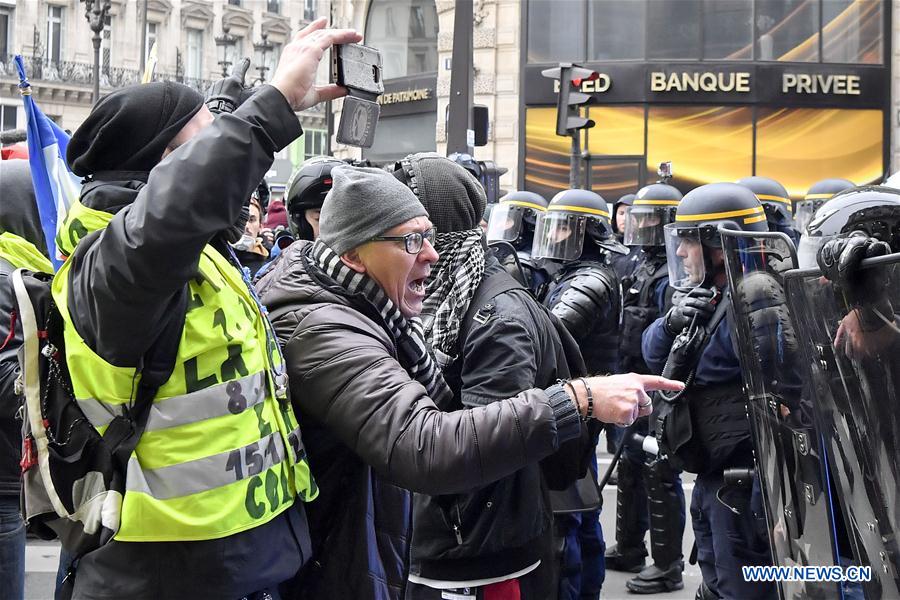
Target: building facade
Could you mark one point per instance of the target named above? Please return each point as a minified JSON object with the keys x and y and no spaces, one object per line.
{"x":196,"y":41}
{"x":797,"y":90}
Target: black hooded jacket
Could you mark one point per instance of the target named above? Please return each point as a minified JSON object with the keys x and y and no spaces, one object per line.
{"x":19,"y":216}
{"x":120,"y":290}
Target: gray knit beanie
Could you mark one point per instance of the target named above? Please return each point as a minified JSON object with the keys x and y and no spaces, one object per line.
{"x":453,"y":197}
{"x":364,"y":203}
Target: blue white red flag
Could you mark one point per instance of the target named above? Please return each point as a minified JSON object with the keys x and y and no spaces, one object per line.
{"x":55,"y":186}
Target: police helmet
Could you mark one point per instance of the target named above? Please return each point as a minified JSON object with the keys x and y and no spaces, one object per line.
{"x":775,"y":199}
{"x":571,"y":217}
{"x":820,"y":193}
{"x":653,"y":207}
{"x":515,"y":216}
{"x":694,"y":233}
{"x":307,"y":189}
{"x":874,"y":210}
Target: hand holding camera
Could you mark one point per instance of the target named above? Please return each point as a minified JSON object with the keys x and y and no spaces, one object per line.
{"x":295,"y":75}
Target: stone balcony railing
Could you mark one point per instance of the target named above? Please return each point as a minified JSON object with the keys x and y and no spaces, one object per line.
{"x":76,"y":74}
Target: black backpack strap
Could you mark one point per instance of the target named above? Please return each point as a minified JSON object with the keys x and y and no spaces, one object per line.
{"x":124,"y":432}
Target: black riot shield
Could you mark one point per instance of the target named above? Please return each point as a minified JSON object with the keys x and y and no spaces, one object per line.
{"x":789,"y":462}
{"x":851,"y":344}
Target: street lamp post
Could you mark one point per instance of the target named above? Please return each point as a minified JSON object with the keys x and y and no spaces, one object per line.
{"x":223,"y":43}
{"x":95,"y":12}
{"x":262,"y":52}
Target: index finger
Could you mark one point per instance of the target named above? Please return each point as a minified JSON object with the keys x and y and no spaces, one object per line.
{"x":319,"y":23}
{"x":336,"y":37}
{"x":655,"y":382}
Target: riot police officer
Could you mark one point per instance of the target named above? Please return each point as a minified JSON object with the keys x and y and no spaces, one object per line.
{"x":623,"y":264}
{"x":513,"y":220}
{"x":776,"y":202}
{"x":705,"y":429}
{"x":306,"y":193}
{"x":642,"y":485}
{"x":585,"y":295}
{"x":820,"y":193}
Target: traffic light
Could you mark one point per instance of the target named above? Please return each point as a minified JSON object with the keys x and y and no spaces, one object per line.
{"x":570,"y":76}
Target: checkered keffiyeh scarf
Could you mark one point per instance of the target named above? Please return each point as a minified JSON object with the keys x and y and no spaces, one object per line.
{"x":412,"y":352}
{"x":449,"y":290}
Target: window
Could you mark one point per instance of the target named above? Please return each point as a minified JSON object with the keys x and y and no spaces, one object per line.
{"x":6,"y":21}
{"x":314,"y":142}
{"x":309,"y":10}
{"x":787,"y":30}
{"x":555,"y":31}
{"x":152,"y":35}
{"x":673,"y":29}
{"x":194,"y":66}
{"x":55,"y":16}
{"x":852,"y":31}
{"x":106,"y":45}
{"x":406,"y":33}
{"x":728,"y":29}
{"x":7,"y":117}
{"x":799,"y":146}
{"x":795,"y":146}
{"x":614,"y":34}
{"x":689,"y":135}
{"x":273,"y":6}
{"x":234,"y":2}
{"x":272,"y":60}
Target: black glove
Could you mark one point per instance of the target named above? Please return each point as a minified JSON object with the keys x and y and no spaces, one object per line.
{"x":697,"y":307}
{"x":226,"y":94}
{"x":839,"y":259}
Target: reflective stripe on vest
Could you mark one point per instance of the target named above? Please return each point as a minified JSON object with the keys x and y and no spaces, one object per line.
{"x":220,"y":453}
{"x":22,"y":254}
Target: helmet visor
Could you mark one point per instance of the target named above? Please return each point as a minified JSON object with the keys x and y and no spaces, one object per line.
{"x":559,"y":236}
{"x":685,"y":255}
{"x":644,"y":225}
{"x":804,"y":213}
{"x":505,"y":223}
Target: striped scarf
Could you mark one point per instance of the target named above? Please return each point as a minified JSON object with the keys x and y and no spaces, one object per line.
{"x":412,"y":351}
{"x":450,"y":289}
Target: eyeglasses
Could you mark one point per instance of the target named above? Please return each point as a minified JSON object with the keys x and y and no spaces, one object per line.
{"x":413,"y":242}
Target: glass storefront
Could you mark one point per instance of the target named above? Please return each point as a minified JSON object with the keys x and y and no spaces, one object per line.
{"x":829,"y":31}
{"x":796,"y":90}
{"x":796,"y":146}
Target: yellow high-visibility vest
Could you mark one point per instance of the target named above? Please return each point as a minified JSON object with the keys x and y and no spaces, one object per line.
{"x":221,"y":453}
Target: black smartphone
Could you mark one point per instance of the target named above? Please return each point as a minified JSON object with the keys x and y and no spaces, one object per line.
{"x":358,"y":68}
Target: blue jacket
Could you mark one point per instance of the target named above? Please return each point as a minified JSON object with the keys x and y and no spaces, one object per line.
{"x":718,"y":364}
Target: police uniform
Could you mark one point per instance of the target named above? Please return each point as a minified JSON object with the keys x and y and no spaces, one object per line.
{"x":729,"y":522}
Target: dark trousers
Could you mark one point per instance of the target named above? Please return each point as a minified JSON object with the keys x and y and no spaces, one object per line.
{"x":727,"y":541}
{"x":583,"y":568}
{"x":638,"y":488}
{"x":12,"y":549}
